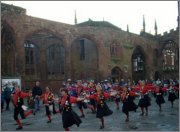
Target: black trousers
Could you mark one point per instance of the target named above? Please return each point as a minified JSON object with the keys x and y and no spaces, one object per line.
{"x":18,"y":110}
{"x":7,"y":103}
{"x":47,"y":110}
{"x":2,"y":105}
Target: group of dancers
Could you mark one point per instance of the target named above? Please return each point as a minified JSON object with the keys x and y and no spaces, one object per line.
{"x":93,"y":96}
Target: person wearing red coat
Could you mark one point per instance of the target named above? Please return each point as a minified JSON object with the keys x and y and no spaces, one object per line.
{"x":92,"y":90}
{"x":159,"y":96}
{"x":69,"y":116}
{"x":127,"y":98}
{"x":81,"y":104}
{"x":17,"y":100}
{"x":172,"y":96}
{"x":117,"y":96}
{"x":48,"y":98}
{"x":102,"y":108}
{"x":144,"y":101}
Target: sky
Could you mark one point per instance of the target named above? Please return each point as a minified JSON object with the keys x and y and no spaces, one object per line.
{"x":119,"y":13}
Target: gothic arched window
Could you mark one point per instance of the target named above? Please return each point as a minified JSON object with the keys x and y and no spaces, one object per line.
{"x":113,"y":50}
{"x":31,"y":58}
{"x":8,"y":52}
{"x":170,"y":56}
{"x":138,"y":62}
{"x":55,"y":59}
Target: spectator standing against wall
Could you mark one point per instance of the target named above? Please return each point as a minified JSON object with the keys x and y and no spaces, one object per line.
{"x":7,"y":95}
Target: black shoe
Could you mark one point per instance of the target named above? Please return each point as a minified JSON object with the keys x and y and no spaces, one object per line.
{"x":19,"y":128}
{"x":49,"y":121}
{"x":126,"y":120}
{"x":82,"y":116}
{"x":141,"y":114}
{"x":93,"y":112}
{"x":101,"y":127}
{"x":23,"y":118}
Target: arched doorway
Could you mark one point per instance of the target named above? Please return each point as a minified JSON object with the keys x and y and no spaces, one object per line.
{"x":138,"y":64}
{"x":116,"y":74}
{"x":7,"y":50}
{"x":84,"y":59}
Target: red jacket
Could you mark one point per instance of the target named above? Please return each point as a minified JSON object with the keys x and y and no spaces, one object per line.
{"x":47,"y":96}
{"x":17,"y":95}
{"x":97,"y":96}
{"x":144,"y":89}
{"x":80,"y":89}
{"x":131,"y":93}
{"x":63,"y":100}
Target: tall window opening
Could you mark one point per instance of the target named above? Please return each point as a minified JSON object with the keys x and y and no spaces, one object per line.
{"x":82,"y":49}
{"x":55,"y":59}
{"x":31,"y":58}
{"x":170,"y":56}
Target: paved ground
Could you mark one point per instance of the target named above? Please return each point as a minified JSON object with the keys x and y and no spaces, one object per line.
{"x":168,"y":120}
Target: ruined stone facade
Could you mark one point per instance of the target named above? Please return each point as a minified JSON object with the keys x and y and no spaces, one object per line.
{"x":39,"y":49}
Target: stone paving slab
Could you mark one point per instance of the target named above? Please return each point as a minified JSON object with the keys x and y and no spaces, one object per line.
{"x":168,"y":120}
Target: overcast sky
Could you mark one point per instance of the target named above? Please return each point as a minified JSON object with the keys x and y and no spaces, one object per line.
{"x":119,"y":13}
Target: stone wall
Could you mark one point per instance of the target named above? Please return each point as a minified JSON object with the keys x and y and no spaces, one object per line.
{"x":25,"y":27}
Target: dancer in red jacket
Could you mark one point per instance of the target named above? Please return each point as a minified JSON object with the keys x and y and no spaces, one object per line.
{"x":172,"y":96}
{"x":159,"y":97}
{"x":102,"y":108}
{"x":144,"y":101}
{"x":69,"y":117}
{"x":117,"y":97}
{"x":127,"y":98}
{"x":17,"y":99}
{"x":81,"y":104}
{"x":48,"y":99}
{"x":92,"y":90}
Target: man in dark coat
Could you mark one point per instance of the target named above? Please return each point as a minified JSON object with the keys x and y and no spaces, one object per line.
{"x":7,"y":95}
{"x":36,"y":93}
